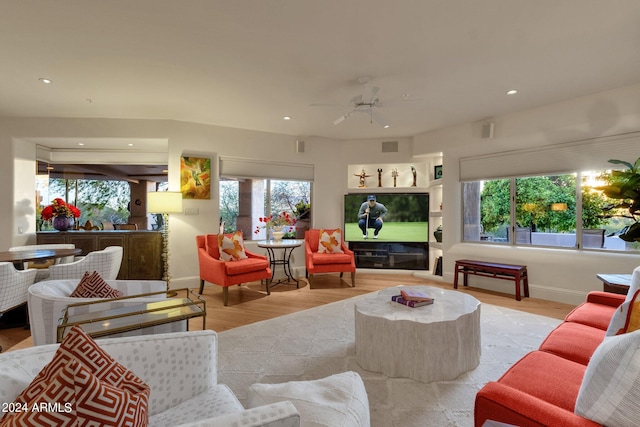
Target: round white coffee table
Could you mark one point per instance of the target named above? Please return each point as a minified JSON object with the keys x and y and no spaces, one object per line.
{"x":435,"y":342}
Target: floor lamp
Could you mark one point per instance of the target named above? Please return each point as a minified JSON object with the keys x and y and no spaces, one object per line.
{"x":165,"y":202}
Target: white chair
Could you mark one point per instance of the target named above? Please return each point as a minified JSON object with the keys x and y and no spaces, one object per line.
{"x":106,"y":262}
{"x":48,"y":300}
{"x":43,"y":268}
{"x":14,"y":286}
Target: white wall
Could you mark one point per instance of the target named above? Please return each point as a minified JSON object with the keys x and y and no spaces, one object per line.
{"x":560,"y":275}
{"x":326,"y":155}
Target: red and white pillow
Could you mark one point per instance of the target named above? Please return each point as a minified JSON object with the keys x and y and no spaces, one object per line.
{"x":330,"y":242}
{"x":93,"y":286}
{"x":231,"y":246}
{"x":82,"y":385}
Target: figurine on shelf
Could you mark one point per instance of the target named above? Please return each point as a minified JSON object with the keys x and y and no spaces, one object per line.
{"x":379,"y":177}
{"x":413,"y":171}
{"x":394,"y":174}
{"x":362,"y":175}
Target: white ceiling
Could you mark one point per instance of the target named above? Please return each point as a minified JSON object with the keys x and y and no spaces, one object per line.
{"x":248,"y":63}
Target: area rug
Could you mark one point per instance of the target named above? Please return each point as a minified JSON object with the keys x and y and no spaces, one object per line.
{"x":320,"y":341}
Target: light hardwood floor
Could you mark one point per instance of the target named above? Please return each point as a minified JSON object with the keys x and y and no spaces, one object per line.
{"x":249,"y":303}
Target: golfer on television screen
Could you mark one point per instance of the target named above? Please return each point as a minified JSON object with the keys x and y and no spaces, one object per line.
{"x":370,"y":216}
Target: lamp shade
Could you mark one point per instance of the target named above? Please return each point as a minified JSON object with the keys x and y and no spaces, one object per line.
{"x":164,"y":202}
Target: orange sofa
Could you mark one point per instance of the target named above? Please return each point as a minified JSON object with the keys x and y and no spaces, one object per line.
{"x":225,"y":274}
{"x":541,"y":388}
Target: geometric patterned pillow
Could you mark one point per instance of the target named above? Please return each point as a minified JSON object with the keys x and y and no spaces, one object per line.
{"x":330,"y":242}
{"x":231,"y":246}
{"x":74,"y":396}
{"x":78,"y":345}
{"x":93,"y":286}
{"x":609,"y":391}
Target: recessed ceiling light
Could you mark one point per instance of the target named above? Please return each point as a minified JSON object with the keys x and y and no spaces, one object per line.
{"x":45,"y":80}
{"x":81,"y":143}
{"x":130,"y":144}
{"x":386,"y":126}
{"x":286,"y":118}
{"x":512,"y":92}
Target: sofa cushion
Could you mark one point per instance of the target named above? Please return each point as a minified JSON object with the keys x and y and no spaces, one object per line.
{"x":622,"y":314}
{"x":94,"y":286}
{"x":573,"y":341}
{"x":247,"y":265}
{"x":330,"y":242}
{"x":231,"y":246}
{"x":626,"y":317}
{"x":320,"y":259}
{"x":609,"y":393}
{"x":592,"y":314}
{"x":214,"y":402}
{"x":548,"y":377}
{"x":337,"y":400}
{"x":83,"y":399}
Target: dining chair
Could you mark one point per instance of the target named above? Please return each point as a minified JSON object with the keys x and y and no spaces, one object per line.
{"x":14,"y":286}
{"x":42,"y":267}
{"x":106,"y":262}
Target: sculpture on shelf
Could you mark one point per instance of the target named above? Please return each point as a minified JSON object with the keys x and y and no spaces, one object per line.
{"x":394,"y":174}
{"x":362,"y":175}
{"x":379,"y":177}
{"x":413,"y":171}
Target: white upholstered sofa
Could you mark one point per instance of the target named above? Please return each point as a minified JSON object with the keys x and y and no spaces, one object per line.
{"x":48,"y":299}
{"x":181,"y":371}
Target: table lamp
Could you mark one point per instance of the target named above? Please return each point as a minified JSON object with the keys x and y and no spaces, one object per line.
{"x":165,"y":202}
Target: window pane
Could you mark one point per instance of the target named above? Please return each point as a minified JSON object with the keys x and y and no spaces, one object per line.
{"x":546,"y":210}
{"x":606,"y":225}
{"x":486,"y":210}
{"x":244,"y":201}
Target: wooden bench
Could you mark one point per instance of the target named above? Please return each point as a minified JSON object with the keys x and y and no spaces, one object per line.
{"x":513,"y":272}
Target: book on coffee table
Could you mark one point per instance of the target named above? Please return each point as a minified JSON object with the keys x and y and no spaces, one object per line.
{"x":412,"y":295}
{"x":400,"y":300}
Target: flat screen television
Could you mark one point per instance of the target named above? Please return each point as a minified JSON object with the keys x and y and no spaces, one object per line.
{"x":407,"y":218}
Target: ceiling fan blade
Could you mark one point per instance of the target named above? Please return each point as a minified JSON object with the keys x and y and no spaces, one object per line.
{"x":378,"y":118}
{"x":368,"y":93}
{"x":342,"y":118}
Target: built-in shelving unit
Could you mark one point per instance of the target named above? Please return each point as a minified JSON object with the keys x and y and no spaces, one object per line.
{"x":403,"y":178}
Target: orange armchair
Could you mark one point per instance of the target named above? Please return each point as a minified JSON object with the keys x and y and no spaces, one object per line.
{"x":327,"y":263}
{"x":228,"y":273}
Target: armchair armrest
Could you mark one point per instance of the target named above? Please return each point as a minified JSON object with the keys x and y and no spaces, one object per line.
{"x":605,"y":298}
{"x":210,"y":268}
{"x":280,"y":414}
{"x":501,"y":403}
{"x":253,"y":254}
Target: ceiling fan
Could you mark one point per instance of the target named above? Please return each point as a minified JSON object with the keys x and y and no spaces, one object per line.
{"x":365,"y":103}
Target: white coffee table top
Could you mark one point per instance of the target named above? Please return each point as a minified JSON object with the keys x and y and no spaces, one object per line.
{"x":447,"y":305}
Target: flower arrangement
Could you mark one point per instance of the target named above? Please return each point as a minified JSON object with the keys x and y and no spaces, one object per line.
{"x":272,"y":221}
{"x":59,"y":208}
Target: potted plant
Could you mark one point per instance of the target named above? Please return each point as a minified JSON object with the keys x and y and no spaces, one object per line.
{"x":623,"y":186}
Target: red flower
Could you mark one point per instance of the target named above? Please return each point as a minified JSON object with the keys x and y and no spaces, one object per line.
{"x":59,"y":208}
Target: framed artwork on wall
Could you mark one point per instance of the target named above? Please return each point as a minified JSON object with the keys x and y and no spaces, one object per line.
{"x":195,"y":177}
{"x":437,"y":172}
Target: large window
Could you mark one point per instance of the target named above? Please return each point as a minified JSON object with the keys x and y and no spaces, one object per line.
{"x":244,"y":201}
{"x":550,"y":210}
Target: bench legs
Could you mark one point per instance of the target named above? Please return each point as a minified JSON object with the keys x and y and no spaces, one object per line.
{"x":518,"y":276}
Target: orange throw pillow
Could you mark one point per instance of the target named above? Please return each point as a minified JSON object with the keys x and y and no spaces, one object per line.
{"x":93,"y":286}
{"x":231,"y":246}
{"x":330,"y":242}
{"x":88,"y":376}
